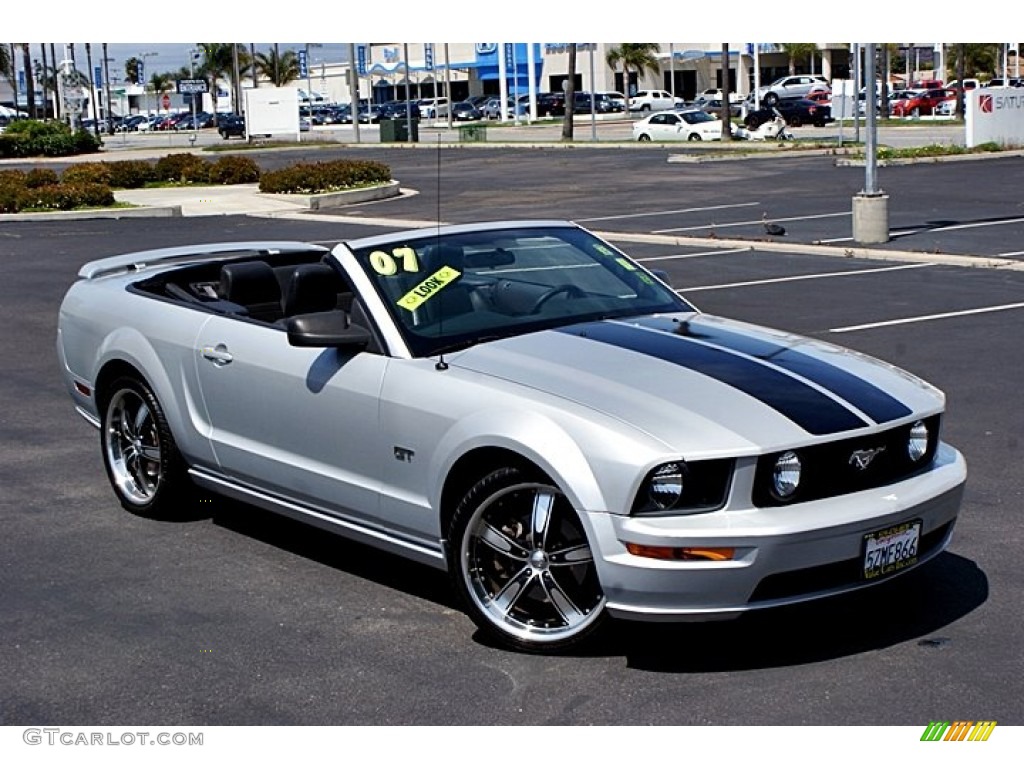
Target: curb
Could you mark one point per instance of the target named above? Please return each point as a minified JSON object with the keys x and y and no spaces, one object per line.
{"x":167,"y":211}
{"x":812,"y":249}
{"x":341,"y":199}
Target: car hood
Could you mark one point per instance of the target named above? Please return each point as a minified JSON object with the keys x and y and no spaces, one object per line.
{"x":710,"y":386}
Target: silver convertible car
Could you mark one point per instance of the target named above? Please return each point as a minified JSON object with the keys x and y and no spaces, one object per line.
{"x":518,"y":403}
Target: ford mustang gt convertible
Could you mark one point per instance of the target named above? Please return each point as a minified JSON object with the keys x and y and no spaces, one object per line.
{"x":520,"y":404}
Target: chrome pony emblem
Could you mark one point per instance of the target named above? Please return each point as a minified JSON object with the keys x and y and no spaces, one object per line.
{"x":862,"y":459}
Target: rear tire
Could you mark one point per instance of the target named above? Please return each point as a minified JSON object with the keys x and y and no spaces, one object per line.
{"x":142,"y":461}
{"x":693,"y":137}
{"x":520,"y":561}
{"x":643,"y":137}
{"x":770,"y":99}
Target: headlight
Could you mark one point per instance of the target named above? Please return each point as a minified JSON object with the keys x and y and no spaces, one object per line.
{"x":786,"y":475}
{"x":917,"y":444}
{"x":681,"y":487}
{"x":666,"y":486}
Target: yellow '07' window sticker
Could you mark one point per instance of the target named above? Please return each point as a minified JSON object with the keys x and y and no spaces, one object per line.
{"x":428,"y":288}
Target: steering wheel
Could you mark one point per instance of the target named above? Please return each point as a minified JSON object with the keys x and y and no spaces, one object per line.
{"x":570,"y":291}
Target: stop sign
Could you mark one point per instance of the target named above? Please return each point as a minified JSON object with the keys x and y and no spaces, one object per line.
{"x":166,"y":101}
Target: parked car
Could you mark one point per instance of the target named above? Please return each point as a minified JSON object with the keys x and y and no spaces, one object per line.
{"x":602,"y":104}
{"x":919,"y":102}
{"x":714,"y":107}
{"x":651,"y":101}
{"x":464,"y":110}
{"x":970,"y":83}
{"x":400,"y":110}
{"x":492,"y":109}
{"x":432,"y":109}
{"x":231,"y":125}
{"x":796,"y":111}
{"x":569,"y":443}
{"x":999,"y":82}
{"x":549,"y":104}
{"x":678,"y":125}
{"x":792,"y":86}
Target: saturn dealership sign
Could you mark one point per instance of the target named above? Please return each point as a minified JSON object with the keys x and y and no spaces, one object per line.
{"x":995,"y":114}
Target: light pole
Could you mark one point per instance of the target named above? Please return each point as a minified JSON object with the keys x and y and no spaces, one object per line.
{"x":145,"y":71}
{"x":871,"y":206}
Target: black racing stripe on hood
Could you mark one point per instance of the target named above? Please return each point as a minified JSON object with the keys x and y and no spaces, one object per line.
{"x":810,"y":409}
{"x":862,"y":395}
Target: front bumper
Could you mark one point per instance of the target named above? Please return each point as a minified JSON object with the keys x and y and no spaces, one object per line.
{"x":783,"y":555}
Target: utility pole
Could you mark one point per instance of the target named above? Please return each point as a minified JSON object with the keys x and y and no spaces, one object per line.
{"x":106,"y":85}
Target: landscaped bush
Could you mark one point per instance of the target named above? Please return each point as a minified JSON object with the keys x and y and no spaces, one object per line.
{"x":184,"y":168}
{"x":310,"y":178}
{"x":234,"y":169}
{"x":65,"y":196}
{"x":131,"y":174}
{"x":12,"y":183}
{"x":88,"y":173}
{"x":41,"y":177}
{"x":34,"y":138}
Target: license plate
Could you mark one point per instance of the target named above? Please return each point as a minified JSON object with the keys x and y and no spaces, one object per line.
{"x":891,"y":549}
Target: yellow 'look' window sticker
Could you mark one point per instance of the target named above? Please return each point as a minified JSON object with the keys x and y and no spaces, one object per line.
{"x":604,"y":250}
{"x":624,"y":263}
{"x":428,"y":288}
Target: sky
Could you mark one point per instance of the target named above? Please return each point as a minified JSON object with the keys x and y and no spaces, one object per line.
{"x":172,"y":56}
{"x":524,"y":20}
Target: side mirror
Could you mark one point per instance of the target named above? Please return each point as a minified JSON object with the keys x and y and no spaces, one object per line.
{"x":326,"y":329}
{"x":662,"y":275}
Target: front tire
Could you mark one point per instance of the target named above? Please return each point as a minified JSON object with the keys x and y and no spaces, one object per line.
{"x":643,"y":137}
{"x":522,"y":564}
{"x":142,"y":461}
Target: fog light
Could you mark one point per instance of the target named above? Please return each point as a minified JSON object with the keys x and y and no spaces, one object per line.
{"x":786,"y":475}
{"x":917,"y":445}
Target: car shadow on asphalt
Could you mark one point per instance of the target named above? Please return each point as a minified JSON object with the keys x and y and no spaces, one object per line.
{"x":915,"y":607}
{"x":336,"y":551}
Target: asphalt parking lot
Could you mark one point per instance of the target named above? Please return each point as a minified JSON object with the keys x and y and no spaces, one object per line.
{"x":245,"y":618}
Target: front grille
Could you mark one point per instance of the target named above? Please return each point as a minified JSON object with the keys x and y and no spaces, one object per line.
{"x":824,"y":578}
{"x":828,"y":469}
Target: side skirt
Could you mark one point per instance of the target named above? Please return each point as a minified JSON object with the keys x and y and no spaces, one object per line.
{"x":356,"y":531}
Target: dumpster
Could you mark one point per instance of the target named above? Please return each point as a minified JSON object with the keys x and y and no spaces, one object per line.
{"x":397,"y":129}
{"x":475,"y":132}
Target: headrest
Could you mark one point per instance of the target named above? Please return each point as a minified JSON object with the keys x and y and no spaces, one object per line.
{"x":312,"y":288}
{"x":249,"y":282}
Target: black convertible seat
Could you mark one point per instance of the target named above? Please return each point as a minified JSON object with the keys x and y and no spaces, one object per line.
{"x":312,"y":288}
{"x":253,"y":285}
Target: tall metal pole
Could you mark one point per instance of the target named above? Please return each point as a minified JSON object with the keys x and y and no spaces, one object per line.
{"x":871,"y":139}
{"x":856,"y":93}
{"x":353,"y":89}
{"x":408,"y":100}
{"x":106,"y":86}
{"x":593,"y":95}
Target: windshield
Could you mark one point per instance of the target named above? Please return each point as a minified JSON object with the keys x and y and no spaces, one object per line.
{"x":448,"y":291}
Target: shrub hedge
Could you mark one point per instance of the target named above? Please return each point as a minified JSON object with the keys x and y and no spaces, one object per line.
{"x":90,"y":184}
{"x":34,"y":138}
{"x":310,"y":178}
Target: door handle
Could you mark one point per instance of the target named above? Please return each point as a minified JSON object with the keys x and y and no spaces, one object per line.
{"x":218,"y":354}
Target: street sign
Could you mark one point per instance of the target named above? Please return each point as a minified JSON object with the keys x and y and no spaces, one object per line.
{"x":428,"y":57}
{"x":303,"y":65}
{"x":195,"y":85}
{"x":165,"y":102}
{"x":361,"y":59}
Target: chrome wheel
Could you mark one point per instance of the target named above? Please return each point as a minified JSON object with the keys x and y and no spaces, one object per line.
{"x":142,"y":460}
{"x":525,"y":564}
{"x":132,"y":444}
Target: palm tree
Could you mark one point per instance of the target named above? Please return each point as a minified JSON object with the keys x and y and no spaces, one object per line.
{"x":570,"y":96}
{"x":634,"y":57}
{"x":5,"y":65}
{"x":160,"y":83}
{"x":279,"y":68}
{"x":131,"y":70}
{"x":797,"y":52}
{"x":30,"y":86}
{"x":218,"y":63}
{"x":726,"y":113}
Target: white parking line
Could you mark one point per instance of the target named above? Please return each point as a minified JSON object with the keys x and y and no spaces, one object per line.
{"x":951,"y":227}
{"x":897,"y":233}
{"x":1011,"y":253}
{"x":795,"y":278}
{"x":670,"y":213}
{"x":925,"y":318}
{"x":694,"y":255}
{"x":752,"y":221}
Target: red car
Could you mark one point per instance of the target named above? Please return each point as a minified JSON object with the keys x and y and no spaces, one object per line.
{"x":920,"y":103}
